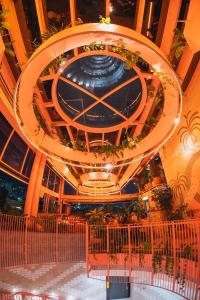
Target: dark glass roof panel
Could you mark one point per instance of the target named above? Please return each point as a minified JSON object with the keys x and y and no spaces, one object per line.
{"x":127,"y":99}
{"x":100,"y":116}
{"x":98,"y":74}
{"x":72,"y":100}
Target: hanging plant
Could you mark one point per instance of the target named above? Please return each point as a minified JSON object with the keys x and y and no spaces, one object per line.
{"x":178,"y":45}
{"x":39,"y":117}
{"x":163,"y":196}
{"x":4,"y":26}
{"x":107,"y":148}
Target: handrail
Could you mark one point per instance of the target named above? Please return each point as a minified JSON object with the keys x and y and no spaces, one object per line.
{"x":161,"y":254}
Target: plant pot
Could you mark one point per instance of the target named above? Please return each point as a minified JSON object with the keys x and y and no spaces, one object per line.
{"x":156,"y":180}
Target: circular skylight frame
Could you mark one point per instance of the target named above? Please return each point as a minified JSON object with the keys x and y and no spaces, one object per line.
{"x":71,"y":122}
{"x":76,"y":37}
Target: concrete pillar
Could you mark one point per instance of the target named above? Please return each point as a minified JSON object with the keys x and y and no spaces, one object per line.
{"x":34,"y":185}
{"x":61,"y":187}
{"x":38,"y":183}
{"x":170,"y":25}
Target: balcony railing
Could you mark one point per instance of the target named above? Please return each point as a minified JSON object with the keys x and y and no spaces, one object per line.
{"x":165,"y":255}
{"x":26,"y":240}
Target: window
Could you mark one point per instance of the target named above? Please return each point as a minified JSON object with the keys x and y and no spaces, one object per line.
{"x":69,"y":189}
{"x":15,"y":152}
{"x":12,"y":194}
{"x":5,"y":131}
{"x":28,"y":164}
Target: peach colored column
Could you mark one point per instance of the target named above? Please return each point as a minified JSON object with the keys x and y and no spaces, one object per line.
{"x":42,"y":15}
{"x":140,"y":15}
{"x":185,"y":62}
{"x":72,"y":5}
{"x":31,"y":185}
{"x":38,"y":183}
{"x":170,"y":25}
{"x":61,"y":187}
{"x":68,"y":209}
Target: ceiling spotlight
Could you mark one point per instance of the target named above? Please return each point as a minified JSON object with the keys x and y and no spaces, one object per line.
{"x":60,"y":70}
{"x":14,"y":290}
{"x":108,"y":166}
{"x":34,"y":292}
{"x":177,"y":120}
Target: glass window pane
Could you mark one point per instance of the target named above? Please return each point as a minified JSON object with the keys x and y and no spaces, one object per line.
{"x":58,"y":13}
{"x":90,"y":10}
{"x":15,"y":152}
{"x":28,"y":163}
{"x":5,"y":131}
{"x":12,"y":194}
{"x":57,"y":184}
{"x":51,"y":180}
{"x":69,"y":189}
{"x":45,"y":176}
{"x":31,"y":19}
{"x":123,"y":12}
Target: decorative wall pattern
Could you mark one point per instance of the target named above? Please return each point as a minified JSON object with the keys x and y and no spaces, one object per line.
{"x":187,"y":133}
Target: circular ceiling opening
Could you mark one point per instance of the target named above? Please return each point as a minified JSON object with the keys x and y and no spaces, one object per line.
{"x":109,"y":92}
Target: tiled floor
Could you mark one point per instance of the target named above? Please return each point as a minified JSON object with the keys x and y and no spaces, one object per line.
{"x":68,"y":281}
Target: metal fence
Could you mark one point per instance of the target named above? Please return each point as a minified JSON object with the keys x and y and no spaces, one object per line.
{"x":26,"y":240}
{"x":26,"y":296}
{"x":165,"y":255}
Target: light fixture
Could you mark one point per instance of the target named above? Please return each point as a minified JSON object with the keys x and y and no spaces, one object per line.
{"x":110,"y":8}
{"x":108,"y":166}
{"x":177,"y":120}
{"x":60,"y":70}
{"x":66,"y":170}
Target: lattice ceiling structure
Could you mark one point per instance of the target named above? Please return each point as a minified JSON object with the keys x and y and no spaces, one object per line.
{"x":92,"y":101}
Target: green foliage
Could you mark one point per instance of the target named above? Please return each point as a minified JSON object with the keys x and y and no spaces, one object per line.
{"x":4,"y":26}
{"x":179,"y":213}
{"x":178,"y":45}
{"x":163,"y":196}
{"x":51,"y":30}
{"x":157,"y":262}
{"x":135,"y":207}
{"x":104,"y":20}
{"x":107,"y":148}
{"x":39,"y":117}
{"x":95,"y":216}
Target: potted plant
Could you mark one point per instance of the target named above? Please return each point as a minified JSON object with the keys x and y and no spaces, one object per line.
{"x":163,"y":196}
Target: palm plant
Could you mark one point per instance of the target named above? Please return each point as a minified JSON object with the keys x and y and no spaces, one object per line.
{"x":95,"y":216}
